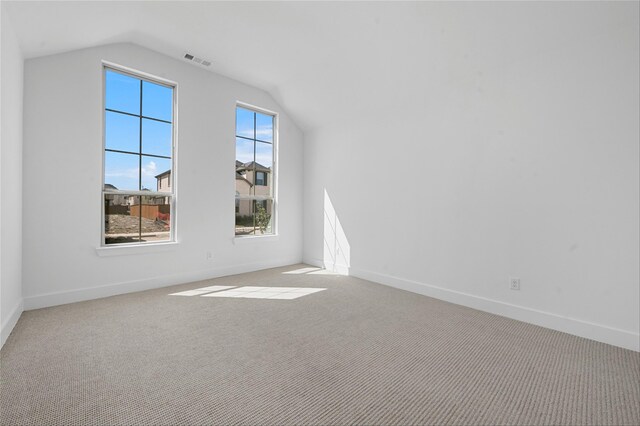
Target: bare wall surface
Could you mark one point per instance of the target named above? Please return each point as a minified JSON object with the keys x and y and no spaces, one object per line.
{"x":63,"y":163}
{"x":519,"y":159}
{"x":10,"y":180}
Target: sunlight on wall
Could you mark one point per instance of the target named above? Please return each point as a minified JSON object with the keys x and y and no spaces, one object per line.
{"x":337,"y":252}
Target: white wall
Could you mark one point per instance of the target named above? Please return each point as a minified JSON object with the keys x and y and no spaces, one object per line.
{"x":522,"y":161}
{"x":63,"y":142}
{"x":10,"y":180}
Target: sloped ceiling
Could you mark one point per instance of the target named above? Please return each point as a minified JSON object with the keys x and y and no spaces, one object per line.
{"x":324,"y":62}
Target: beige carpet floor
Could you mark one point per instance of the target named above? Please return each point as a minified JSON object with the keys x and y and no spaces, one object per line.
{"x":355,"y":353}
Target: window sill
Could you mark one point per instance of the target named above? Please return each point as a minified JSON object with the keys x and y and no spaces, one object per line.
{"x":136,"y":249}
{"x":253,"y":238}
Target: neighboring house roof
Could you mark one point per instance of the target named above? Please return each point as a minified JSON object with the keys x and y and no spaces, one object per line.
{"x":108,"y":186}
{"x":250,"y":165}
{"x":168,"y":172}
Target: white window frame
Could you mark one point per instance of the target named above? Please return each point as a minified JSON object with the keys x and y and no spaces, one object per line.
{"x":274,"y":172}
{"x":173,"y":195}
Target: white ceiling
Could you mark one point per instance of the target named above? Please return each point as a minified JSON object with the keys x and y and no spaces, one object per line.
{"x":324,"y":62}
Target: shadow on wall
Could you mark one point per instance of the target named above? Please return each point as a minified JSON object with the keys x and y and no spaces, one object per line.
{"x":337,"y":252}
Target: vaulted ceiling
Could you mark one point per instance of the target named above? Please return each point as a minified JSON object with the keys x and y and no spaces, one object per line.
{"x":324,"y":62}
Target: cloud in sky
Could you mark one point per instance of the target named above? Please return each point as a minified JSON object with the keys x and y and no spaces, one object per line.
{"x":150,"y":169}
{"x":264,"y":133}
{"x":121,"y":173}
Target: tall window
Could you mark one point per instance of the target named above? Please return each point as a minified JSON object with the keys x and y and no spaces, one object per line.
{"x":139,"y":201}
{"x":255,"y":202}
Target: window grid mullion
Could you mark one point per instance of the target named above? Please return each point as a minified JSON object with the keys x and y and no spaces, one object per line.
{"x":140,"y":193}
{"x":254,"y":171}
{"x":136,"y":153}
{"x":138,"y":115}
{"x":252,"y":139}
{"x":140,"y":171}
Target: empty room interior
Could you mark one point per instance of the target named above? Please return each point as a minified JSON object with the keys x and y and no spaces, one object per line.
{"x":320,"y":213}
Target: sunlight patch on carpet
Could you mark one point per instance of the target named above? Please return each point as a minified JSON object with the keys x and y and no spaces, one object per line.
{"x":283,"y":293}
{"x":201,"y":291}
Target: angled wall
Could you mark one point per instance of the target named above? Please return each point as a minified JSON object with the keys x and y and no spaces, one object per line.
{"x":62,"y":181}
{"x":520,"y":162}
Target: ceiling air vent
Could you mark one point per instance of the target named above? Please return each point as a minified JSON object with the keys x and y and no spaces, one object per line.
{"x":192,"y":58}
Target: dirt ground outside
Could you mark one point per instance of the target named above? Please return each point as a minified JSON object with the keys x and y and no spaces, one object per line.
{"x":120,"y":228}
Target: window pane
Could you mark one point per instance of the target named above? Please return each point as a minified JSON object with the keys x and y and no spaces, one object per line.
{"x":263,"y":214}
{"x":244,"y":150}
{"x":157,"y":101}
{"x":122,"y":132}
{"x":244,"y":217}
{"x":264,"y":127}
{"x":243,"y":184}
{"x":152,"y":168}
{"x":156,"y":137}
{"x":254,"y":217}
{"x":120,"y":223}
{"x":121,"y":171}
{"x":264,"y":154}
{"x":244,"y":123}
{"x":156,"y":218}
{"x":122,"y":93}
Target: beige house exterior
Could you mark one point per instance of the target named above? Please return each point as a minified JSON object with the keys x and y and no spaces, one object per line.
{"x":252,"y":179}
{"x":163,"y":182}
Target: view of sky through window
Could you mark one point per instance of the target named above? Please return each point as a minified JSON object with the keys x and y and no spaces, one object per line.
{"x":263,"y":135}
{"x":138,"y":131}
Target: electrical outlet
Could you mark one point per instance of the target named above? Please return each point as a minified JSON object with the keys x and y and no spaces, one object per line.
{"x":514,"y":283}
{"x":209,"y":255}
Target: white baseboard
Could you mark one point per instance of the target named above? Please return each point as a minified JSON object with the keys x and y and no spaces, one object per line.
{"x":11,"y":322}
{"x":79,"y":295}
{"x":601,"y":333}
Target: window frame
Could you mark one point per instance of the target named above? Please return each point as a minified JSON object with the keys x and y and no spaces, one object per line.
{"x":173,"y":195}
{"x":275,"y":143}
